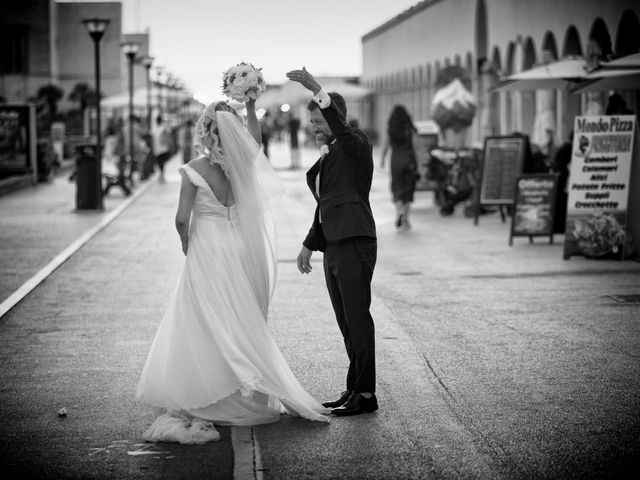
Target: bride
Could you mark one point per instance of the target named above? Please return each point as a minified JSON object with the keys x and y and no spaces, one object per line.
{"x":213,"y":359}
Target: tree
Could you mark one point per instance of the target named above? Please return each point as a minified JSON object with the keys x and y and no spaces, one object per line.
{"x":51,"y":94}
{"x":83,"y":94}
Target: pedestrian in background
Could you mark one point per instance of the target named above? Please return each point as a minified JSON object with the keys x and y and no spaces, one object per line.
{"x":266,"y":127}
{"x":561,"y":166}
{"x":116,"y":145}
{"x":404,"y":168}
{"x":294,"y":126}
{"x":135,"y":163}
{"x":186,"y":140}
{"x":161,"y":146}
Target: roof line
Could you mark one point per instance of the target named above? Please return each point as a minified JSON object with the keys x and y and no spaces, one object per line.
{"x":409,"y":12}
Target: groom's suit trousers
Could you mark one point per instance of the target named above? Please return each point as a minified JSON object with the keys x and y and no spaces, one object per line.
{"x":348,"y":268}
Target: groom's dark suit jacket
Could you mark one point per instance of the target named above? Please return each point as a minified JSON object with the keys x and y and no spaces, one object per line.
{"x":345,"y":182}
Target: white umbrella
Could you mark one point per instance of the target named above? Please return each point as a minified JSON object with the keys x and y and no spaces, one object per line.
{"x":557,"y":75}
{"x":623,"y":63}
{"x":620,"y":74}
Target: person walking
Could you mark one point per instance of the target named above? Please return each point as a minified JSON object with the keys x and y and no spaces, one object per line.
{"x":344,"y":229}
{"x":118,"y":148}
{"x":186,"y":141}
{"x":294,"y":127}
{"x":161,"y":146}
{"x":404,"y":168}
{"x":213,"y":359}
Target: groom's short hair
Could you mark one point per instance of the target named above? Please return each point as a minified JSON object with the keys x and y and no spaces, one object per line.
{"x":337,"y":100}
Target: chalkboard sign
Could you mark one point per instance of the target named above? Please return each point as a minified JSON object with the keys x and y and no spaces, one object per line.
{"x":534,"y":206}
{"x":503,"y":160}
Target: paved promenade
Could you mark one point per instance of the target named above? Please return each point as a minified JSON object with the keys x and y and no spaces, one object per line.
{"x":494,"y":362}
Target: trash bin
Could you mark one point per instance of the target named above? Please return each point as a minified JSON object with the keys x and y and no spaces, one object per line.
{"x":88,"y":182}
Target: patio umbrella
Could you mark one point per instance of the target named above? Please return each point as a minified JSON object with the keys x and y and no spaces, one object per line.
{"x":560,"y":75}
{"x":121,"y":100}
{"x":620,"y":74}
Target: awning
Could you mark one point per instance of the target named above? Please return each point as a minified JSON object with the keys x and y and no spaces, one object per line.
{"x":121,"y":100}
{"x":560,"y":75}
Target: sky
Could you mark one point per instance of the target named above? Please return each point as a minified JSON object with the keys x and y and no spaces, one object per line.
{"x":198,"y":39}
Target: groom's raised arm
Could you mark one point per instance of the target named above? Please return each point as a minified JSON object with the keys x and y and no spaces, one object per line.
{"x":355,"y":144}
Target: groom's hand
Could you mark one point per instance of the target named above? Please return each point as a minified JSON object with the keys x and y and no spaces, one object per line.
{"x":304,"y":260}
{"x":305,"y":79}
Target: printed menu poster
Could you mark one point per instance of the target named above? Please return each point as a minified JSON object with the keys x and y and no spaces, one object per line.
{"x":14,"y":141}
{"x":534,"y":205}
{"x":598,"y":187}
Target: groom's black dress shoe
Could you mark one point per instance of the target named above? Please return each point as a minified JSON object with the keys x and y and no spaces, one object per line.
{"x":344,"y":396}
{"x":356,"y":405}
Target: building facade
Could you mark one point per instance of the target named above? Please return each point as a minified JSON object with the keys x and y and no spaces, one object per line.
{"x":44,"y":42}
{"x":492,"y":39}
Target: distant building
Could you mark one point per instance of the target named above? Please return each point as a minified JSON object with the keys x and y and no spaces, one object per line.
{"x":491,"y":39}
{"x":44,"y":41}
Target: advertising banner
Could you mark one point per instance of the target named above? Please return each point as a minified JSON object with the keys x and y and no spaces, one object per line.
{"x":598,"y":186}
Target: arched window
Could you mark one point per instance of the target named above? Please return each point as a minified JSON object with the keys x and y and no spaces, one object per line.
{"x":529,"y":54}
{"x":549,"y":48}
{"x":599,"y":34}
{"x":627,"y":37}
{"x":511,"y":53}
{"x":571,"y":45}
{"x":496,"y":61}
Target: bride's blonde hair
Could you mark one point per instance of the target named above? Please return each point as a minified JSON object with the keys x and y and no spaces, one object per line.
{"x":207,"y":137}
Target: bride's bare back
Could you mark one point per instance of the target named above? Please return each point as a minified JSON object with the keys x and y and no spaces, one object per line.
{"x":215,"y":178}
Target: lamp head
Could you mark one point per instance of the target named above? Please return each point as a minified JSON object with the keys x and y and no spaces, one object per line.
{"x":96,"y":27}
{"x":130,"y":49}
{"x":147,"y":61}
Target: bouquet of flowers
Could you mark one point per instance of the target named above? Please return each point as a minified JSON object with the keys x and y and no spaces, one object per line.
{"x":599,"y":235}
{"x":243,"y":82}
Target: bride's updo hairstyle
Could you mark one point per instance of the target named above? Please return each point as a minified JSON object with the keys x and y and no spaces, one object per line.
{"x":207,"y":138}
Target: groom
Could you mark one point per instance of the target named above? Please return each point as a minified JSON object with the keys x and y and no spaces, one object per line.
{"x":344,"y":229}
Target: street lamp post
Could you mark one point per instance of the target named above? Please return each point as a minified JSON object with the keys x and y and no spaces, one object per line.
{"x":130,"y":49}
{"x":96,"y":28}
{"x":147,"y":61}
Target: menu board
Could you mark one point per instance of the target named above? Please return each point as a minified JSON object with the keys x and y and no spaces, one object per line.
{"x":599,"y":186}
{"x":503,"y":161}
{"x":534,"y":206}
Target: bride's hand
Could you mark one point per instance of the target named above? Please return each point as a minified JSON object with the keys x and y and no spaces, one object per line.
{"x":304,"y":260}
{"x":305,"y":79}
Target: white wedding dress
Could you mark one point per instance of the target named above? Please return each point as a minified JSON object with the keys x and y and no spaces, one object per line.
{"x":214,"y":360}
